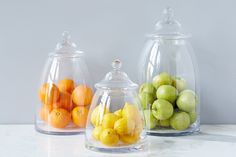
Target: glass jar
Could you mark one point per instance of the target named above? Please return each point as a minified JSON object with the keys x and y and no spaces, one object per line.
{"x":65,"y":92}
{"x":115,"y":122}
{"x":169,"y":90}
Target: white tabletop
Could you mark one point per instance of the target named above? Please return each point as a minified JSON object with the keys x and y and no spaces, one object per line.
{"x":24,"y":141}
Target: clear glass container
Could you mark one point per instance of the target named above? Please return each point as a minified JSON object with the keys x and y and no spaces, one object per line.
{"x":65,"y":91}
{"x":115,"y":122}
{"x":169,"y":89}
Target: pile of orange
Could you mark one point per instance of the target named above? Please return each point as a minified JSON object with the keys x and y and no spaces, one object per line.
{"x":65,"y":103}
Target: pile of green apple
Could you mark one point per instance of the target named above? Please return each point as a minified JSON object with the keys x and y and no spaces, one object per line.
{"x":167,"y":102}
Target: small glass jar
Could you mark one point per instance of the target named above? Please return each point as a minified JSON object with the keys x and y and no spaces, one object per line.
{"x":65,"y":91}
{"x":169,"y":90}
{"x":115,"y":122}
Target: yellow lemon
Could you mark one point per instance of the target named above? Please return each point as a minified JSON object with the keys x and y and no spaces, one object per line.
{"x":129,"y":139}
{"x":138,"y":128}
{"x":96,"y":132}
{"x":131,"y":111}
{"x":109,"y":120}
{"x":97,"y":114}
{"x":118,"y":113}
{"x":109,"y":137}
{"x":124,"y":126}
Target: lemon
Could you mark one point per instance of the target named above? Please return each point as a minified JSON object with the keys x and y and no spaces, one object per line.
{"x":139,"y":125}
{"x":97,"y":114}
{"x":96,"y":132}
{"x":118,"y":113}
{"x":131,"y":111}
{"x":124,"y":126}
{"x":109,"y":137}
{"x":109,"y":120}
{"x":129,"y":139}
{"x":138,"y":129}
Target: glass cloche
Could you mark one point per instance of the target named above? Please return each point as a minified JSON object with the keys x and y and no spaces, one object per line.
{"x":115,"y":122}
{"x":169,"y":89}
{"x":65,"y":91}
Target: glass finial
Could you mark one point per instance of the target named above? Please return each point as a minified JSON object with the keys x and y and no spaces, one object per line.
{"x":66,"y":37}
{"x":168,"y":26}
{"x":168,"y":14}
{"x":116,"y":64}
{"x":66,"y":45}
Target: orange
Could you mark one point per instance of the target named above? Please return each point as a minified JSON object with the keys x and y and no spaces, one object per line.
{"x":49,"y":93}
{"x":65,"y":101}
{"x":79,"y":116}
{"x":66,"y":85}
{"x":44,"y":113}
{"x":82,"y":95}
{"x":59,"y":118}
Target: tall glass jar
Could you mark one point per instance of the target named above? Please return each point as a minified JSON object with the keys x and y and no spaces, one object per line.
{"x":116,"y":122}
{"x":169,"y":89}
{"x":65,"y":92}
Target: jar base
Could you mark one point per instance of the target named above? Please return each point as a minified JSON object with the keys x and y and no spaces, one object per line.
{"x":52,"y":131}
{"x":141,"y":146}
{"x":170,"y":132}
{"x":117,"y":150}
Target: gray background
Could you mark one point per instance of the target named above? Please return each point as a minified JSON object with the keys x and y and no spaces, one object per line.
{"x":111,"y":29}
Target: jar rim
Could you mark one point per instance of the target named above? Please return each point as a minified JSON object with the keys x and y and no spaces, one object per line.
{"x":75,"y":54}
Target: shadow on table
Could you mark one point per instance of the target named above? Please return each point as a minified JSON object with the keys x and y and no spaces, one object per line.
{"x":211,"y":137}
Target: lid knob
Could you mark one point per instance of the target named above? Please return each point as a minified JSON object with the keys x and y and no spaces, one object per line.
{"x":116,"y":64}
{"x":65,"y":45}
{"x":66,"y":37}
{"x":116,"y":79}
{"x":168,"y":27}
{"x":168,"y":14}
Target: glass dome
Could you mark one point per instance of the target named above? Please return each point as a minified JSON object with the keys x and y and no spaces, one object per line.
{"x":115,"y":122}
{"x":169,"y":90}
{"x":65,"y":91}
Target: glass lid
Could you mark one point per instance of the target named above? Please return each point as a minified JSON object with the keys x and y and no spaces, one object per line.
{"x":66,"y":48}
{"x":116,"y":79}
{"x":168,"y":27}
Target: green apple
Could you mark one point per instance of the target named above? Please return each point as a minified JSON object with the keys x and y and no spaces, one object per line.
{"x":146,"y":100}
{"x":164,"y":123}
{"x":180,"y":121}
{"x":187,"y":91}
{"x":162,"y":109}
{"x":162,"y":79}
{"x":179,"y":83}
{"x":151,"y":121}
{"x":193,"y":117}
{"x":186,"y":101}
{"x":167,"y":92}
{"x":147,"y":88}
